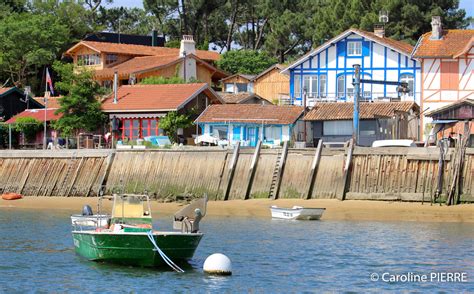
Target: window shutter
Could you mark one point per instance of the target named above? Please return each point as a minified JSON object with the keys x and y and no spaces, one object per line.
{"x":365,"y":48}
{"x":341,"y":48}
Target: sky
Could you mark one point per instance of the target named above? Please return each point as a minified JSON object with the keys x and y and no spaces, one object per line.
{"x":468,"y":5}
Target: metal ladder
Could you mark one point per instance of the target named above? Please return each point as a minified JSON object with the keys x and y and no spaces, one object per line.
{"x":276,"y":174}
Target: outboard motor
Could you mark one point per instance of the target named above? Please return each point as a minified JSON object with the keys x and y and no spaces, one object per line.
{"x":87,"y":210}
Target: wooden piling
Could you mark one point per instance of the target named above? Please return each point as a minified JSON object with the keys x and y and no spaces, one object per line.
{"x":253,"y":168}
{"x":233,"y":164}
{"x":347,"y":169}
{"x":314,"y":168}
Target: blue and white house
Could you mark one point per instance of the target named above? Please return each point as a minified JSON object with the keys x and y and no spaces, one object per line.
{"x":326,"y":72}
{"x":228,"y":124}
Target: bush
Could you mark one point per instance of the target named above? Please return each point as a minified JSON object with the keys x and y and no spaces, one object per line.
{"x":28,"y":126}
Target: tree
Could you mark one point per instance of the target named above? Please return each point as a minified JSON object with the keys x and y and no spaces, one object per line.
{"x":29,"y":126}
{"x":173,"y":121}
{"x":245,"y":61}
{"x":80,"y":105}
{"x":126,"y":20}
{"x":162,"y":80}
{"x":28,"y":43}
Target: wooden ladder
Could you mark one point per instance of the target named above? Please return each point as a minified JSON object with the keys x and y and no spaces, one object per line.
{"x":275,"y":176}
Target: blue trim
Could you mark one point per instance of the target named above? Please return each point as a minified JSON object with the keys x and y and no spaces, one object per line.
{"x":327,"y":62}
{"x":306,"y":70}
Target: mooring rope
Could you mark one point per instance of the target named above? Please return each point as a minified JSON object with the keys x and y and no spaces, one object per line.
{"x":162,"y":254}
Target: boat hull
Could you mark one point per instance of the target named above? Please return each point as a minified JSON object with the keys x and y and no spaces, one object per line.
{"x":135,"y":248}
{"x":297,"y":213}
{"x":96,"y":220}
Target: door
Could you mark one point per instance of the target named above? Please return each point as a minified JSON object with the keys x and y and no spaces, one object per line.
{"x":252,"y":135}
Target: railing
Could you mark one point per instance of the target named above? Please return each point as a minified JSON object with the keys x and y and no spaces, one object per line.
{"x":312,"y":99}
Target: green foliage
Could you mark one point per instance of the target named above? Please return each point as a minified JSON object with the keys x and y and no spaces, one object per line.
{"x":28,"y":43}
{"x":80,"y":105}
{"x":29,"y":126}
{"x":173,"y":44}
{"x":245,"y":61}
{"x":131,"y":20}
{"x":161,"y":80}
{"x":173,"y":121}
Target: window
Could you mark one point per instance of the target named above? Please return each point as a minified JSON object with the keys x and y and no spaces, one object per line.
{"x":229,"y":88}
{"x":111,"y":58}
{"x":341,"y":86}
{"x":310,"y":84}
{"x":272,"y":133}
{"x":408,"y":78}
{"x":139,"y":128}
{"x":220,"y":132}
{"x":337,"y":128}
{"x":241,"y":87}
{"x":88,"y":59}
{"x":354,"y":48}
{"x":449,"y":75}
{"x":322,"y":86}
{"x":297,"y":86}
{"x":350,"y":92}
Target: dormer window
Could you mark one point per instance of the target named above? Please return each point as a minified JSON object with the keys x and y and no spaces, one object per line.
{"x":88,"y":59}
{"x":111,"y":58}
{"x":354,"y":48}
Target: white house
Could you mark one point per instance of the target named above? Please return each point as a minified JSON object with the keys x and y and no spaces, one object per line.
{"x":446,"y":58}
{"x":326,"y":72}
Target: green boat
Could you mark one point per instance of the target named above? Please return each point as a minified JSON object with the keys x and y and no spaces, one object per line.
{"x":129,"y":238}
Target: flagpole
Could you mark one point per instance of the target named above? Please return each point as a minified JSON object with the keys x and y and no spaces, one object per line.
{"x":45,"y":107}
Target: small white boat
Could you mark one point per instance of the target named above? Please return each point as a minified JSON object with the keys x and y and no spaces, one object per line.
{"x":297,"y":213}
{"x":95,"y":220}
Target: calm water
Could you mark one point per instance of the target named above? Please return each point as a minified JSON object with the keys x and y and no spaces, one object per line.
{"x":36,"y":254}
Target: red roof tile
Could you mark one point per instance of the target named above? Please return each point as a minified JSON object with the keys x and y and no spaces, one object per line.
{"x":37,"y":114}
{"x":367,"y":110}
{"x":141,"y":98}
{"x":251,"y":113}
{"x":395,"y":44}
{"x":4,"y":90}
{"x":53,"y":101}
{"x":452,"y":44}
{"x":141,"y":50}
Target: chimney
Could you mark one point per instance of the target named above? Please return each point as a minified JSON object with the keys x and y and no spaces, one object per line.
{"x":436,"y":28}
{"x":379,"y":30}
{"x":187,"y":45}
{"x":154,"y":38}
{"x":188,"y":70}
{"x":115,"y":87}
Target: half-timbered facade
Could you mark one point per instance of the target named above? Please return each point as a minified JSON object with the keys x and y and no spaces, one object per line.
{"x":326,"y":73}
{"x":446,"y":58}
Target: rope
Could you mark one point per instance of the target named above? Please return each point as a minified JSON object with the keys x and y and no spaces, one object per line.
{"x":162,"y":254}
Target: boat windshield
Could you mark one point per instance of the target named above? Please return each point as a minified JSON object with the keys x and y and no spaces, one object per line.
{"x":131,"y":209}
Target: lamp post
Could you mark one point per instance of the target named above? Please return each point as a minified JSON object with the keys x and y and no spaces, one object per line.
{"x":356,"y":83}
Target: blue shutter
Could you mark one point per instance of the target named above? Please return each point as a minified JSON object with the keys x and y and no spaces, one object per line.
{"x":365,"y":48}
{"x":236,"y":133}
{"x":341,"y":48}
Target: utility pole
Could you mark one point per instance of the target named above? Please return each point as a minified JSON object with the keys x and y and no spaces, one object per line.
{"x":304,"y":114}
{"x":356,"y":83}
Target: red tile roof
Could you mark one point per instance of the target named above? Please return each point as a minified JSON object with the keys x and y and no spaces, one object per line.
{"x":4,"y":90}
{"x":138,"y":64}
{"x":149,"y":98}
{"x":251,"y":113}
{"x":53,"y":101}
{"x":367,"y":110}
{"x":140,"y":50}
{"x":37,"y":114}
{"x":452,"y":44}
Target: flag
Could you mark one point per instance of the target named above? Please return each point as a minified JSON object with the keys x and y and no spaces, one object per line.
{"x":49,"y":82}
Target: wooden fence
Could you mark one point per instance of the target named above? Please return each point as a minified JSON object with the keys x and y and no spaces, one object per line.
{"x":406,"y":174}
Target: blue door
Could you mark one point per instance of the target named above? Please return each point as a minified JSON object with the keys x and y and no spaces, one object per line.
{"x":252,"y":135}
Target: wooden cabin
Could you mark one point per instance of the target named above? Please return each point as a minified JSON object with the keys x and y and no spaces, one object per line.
{"x":272,"y":85}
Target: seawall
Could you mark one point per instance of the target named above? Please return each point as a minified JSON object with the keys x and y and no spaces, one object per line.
{"x":406,"y":174}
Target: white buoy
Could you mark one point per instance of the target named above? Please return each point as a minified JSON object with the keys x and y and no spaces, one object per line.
{"x":218,"y":264}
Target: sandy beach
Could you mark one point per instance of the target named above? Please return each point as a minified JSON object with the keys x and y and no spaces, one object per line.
{"x":335,"y":209}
